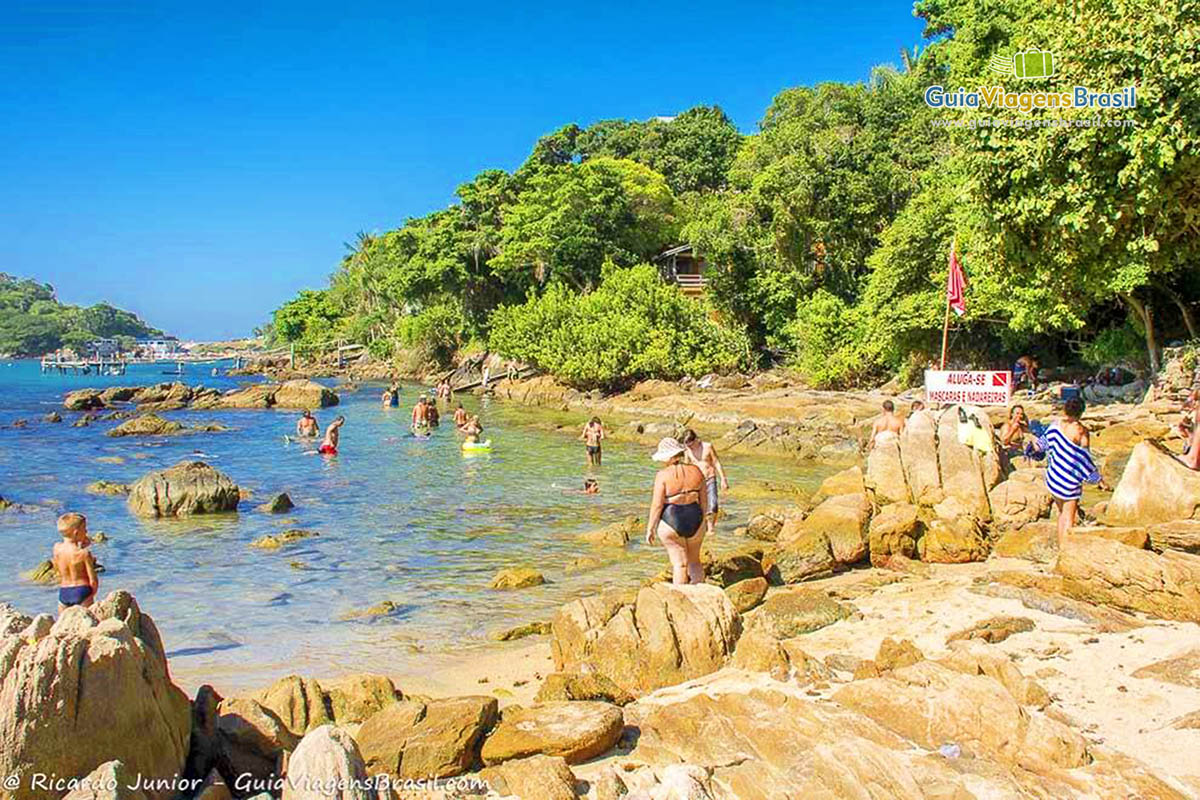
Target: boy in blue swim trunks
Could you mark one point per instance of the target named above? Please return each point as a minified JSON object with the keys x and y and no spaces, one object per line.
{"x":78,"y":583}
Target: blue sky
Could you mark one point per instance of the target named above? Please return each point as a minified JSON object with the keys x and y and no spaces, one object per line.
{"x":199,"y":163}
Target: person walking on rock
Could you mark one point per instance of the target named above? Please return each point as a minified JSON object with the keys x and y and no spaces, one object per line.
{"x":678,"y":507}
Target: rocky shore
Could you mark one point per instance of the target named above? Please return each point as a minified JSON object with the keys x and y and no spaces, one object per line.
{"x":908,"y":631}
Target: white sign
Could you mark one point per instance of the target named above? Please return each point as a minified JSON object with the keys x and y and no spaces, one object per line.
{"x":976,"y":388}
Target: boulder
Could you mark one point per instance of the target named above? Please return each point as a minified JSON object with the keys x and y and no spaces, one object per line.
{"x":304,"y":394}
{"x":966,"y":473}
{"x":617,"y":534}
{"x":1182,"y":535}
{"x":746,"y":594}
{"x":843,"y":520}
{"x":895,"y":654}
{"x":354,"y":698}
{"x":893,"y":531}
{"x":1107,"y":572}
{"x":974,"y":658}
{"x":107,"y":487}
{"x":931,"y":704}
{"x":561,"y":686}
{"x":251,"y":738}
{"x":147,"y":425}
{"x":299,"y":703}
{"x":517,"y":578}
{"x":275,"y":541}
{"x":109,"y":781}
{"x":83,"y":400}
{"x":1036,"y":542}
{"x":954,"y":542}
{"x":729,"y":568}
{"x":327,"y":764}
{"x":794,"y":612}
{"x":279,"y":504}
{"x":1129,"y":536}
{"x":438,"y":739}
{"x":191,"y":487}
{"x":574,"y":730}
{"x":848,"y":481}
{"x":802,"y":557}
{"x":543,"y":777}
{"x":1016,"y":502}
{"x":919,"y":449}
{"x":1154,"y":488}
{"x":520,"y":632}
{"x":259,"y":396}
{"x":763,"y":527}
{"x":994,"y":629}
{"x":664,"y":635}
{"x":90,"y":689}
{"x":52,"y":417}
{"x":885,"y":473}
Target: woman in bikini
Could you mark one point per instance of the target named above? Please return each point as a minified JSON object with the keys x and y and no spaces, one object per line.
{"x":678,"y":508}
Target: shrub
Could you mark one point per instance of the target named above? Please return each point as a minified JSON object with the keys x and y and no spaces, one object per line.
{"x":434,"y":333}
{"x":1123,"y":345}
{"x":632,"y":326}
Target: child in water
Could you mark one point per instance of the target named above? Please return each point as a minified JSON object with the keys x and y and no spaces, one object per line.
{"x":76,"y":567}
{"x":590,"y":486}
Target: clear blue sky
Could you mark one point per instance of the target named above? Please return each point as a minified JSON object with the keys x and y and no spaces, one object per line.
{"x":198,"y":163}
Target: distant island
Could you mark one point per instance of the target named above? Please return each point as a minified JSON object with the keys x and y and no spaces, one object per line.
{"x":34,"y":322}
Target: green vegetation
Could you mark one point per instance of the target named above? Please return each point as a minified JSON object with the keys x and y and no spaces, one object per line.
{"x":33,"y":322}
{"x":828,"y":230}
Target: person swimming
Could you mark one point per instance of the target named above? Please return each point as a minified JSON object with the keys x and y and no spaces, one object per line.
{"x":590,"y":486}
{"x":678,"y":507}
{"x":78,"y":582}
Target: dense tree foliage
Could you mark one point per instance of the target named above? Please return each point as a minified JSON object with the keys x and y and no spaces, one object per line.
{"x":827,"y":231}
{"x":33,"y":322}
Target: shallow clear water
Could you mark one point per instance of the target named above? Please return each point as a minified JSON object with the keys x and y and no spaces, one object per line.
{"x":411,"y":521}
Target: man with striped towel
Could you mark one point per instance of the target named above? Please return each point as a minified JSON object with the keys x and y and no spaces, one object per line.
{"x":1070,"y":465}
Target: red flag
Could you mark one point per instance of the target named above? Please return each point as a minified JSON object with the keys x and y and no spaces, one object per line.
{"x":956,"y":283}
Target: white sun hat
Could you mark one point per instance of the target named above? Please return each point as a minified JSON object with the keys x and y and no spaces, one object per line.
{"x":668,"y":448}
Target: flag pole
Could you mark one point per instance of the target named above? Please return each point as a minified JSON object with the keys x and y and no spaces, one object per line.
{"x":945,"y":332}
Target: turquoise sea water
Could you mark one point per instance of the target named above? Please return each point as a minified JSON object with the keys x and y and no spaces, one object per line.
{"x":411,"y":521}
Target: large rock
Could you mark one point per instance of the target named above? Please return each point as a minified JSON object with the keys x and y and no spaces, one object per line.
{"x":1019,"y":501}
{"x":802,"y":557}
{"x":795,"y":612}
{"x":931,"y":705}
{"x":147,"y":425}
{"x":325,"y":765}
{"x":1034,"y":542}
{"x":885,"y":473}
{"x":617,"y":534}
{"x":768,"y":741}
{"x":109,"y":781}
{"x":438,"y":739}
{"x":893,"y":531}
{"x":355,"y":698}
{"x":90,"y":689}
{"x":746,"y":594}
{"x":581,"y":686}
{"x":848,"y":481}
{"x":1110,"y":573}
{"x":304,"y":394}
{"x":966,"y":473}
{"x":517,"y":578}
{"x":918,"y":447}
{"x":575,"y":731}
{"x":1182,"y":535}
{"x":251,"y":739}
{"x":299,"y":703}
{"x":665,"y":635}
{"x":843,"y":520}
{"x":83,"y":400}
{"x":541,"y":777}
{"x":952,"y":542}
{"x":191,"y":487}
{"x":1155,"y":487}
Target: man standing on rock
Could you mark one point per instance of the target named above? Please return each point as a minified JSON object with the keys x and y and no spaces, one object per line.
{"x":887,"y":427}
{"x":704,"y":456}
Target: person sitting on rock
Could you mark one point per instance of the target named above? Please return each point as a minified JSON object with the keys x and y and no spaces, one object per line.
{"x":1070,"y":464}
{"x":307,"y":426}
{"x":329,"y":446}
{"x":78,"y":582}
{"x":678,"y":508}
{"x":887,"y":427}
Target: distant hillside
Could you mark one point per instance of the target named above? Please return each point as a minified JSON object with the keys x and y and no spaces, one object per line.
{"x":33,"y":321}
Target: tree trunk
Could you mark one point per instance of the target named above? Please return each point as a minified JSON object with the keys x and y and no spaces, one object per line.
{"x":1189,"y":319}
{"x":1145,"y":313}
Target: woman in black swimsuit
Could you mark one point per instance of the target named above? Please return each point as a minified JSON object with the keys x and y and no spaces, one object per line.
{"x":678,"y":507}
